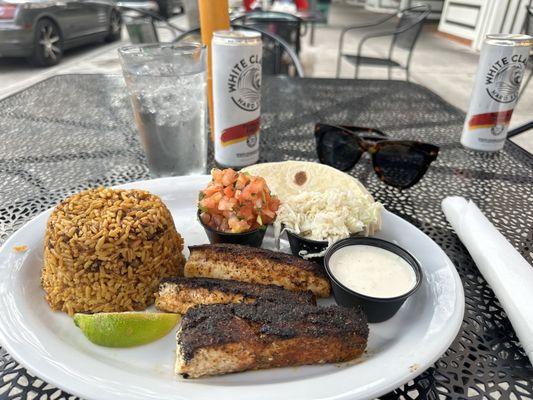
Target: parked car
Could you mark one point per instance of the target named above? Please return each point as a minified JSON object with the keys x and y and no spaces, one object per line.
{"x":42,"y":29}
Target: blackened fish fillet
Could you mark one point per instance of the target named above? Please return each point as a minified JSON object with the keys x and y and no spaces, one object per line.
{"x":179,"y":294}
{"x":223,"y":338}
{"x":255,"y":265}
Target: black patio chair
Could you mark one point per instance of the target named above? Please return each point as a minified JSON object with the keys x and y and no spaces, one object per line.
{"x":289,"y":27}
{"x":141,"y":25}
{"x":404,"y":36}
{"x":278,"y":56}
{"x":529,"y":31}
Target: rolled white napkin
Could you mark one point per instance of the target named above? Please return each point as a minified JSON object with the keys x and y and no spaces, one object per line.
{"x":509,"y":275}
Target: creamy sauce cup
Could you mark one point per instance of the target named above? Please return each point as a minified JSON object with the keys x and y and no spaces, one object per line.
{"x":377,"y":309}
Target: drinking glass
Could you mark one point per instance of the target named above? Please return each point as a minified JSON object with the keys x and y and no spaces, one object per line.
{"x":167,"y":87}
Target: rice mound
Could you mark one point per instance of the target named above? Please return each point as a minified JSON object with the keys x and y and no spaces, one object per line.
{"x":106,"y":251}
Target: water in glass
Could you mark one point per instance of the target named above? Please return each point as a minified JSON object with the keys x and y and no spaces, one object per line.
{"x":167,"y":90}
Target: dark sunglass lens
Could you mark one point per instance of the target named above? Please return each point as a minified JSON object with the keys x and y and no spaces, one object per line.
{"x":338,"y":149}
{"x":400,"y":164}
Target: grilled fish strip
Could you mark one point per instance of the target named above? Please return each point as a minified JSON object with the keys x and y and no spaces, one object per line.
{"x":179,"y":294}
{"x":255,"y":265}
{"x":223,"y":338}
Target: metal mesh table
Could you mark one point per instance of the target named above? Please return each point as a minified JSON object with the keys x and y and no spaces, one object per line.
{"x":72,"y":132}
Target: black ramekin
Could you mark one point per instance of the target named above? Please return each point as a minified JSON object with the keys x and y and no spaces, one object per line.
{"x":251,"y":238}
{"x":377,"y":309}
{"x":299,"y":243}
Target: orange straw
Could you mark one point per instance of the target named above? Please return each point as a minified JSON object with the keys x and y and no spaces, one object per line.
{"x":214,"y":16}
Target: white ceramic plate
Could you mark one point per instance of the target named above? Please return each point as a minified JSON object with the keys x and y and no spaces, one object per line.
{"x":49,"y":344}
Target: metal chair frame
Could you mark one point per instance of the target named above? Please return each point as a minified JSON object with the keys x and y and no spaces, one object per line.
{"x":154,"y":17}
{"x":180,"y":34}
{"x":424,"y":11}
{"x":278,"y":18}
{"x":276,"y":39}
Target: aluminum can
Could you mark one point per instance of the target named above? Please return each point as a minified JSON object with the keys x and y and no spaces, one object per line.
{"x":236,"y":58}
{"x":500,"y":71}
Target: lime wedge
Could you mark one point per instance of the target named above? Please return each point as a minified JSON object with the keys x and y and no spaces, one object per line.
{"x":125,"y":329}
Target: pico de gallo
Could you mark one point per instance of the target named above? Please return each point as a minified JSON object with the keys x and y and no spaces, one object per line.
{"x":237,"y":202}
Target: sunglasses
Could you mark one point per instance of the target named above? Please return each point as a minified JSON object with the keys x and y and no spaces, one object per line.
{"x":398,"y":163}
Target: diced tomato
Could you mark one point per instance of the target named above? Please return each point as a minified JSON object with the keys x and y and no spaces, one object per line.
{"x":223,"y":204}
{"x":238,"y":226}
{"x":229,"y":191}
{"x":269,"y":213}
{"x":274,"y":204}
{"x":246,"y":194}
{"x":229,"y":177}
{"x":252,"y":189}
{"x":208,"y":203}
{"x":246,"y":211}
{"x":208,"y":191}
{"x":257,"y":185}
{"x":267,"y":217}
{"x":217,"y":196}
{"x":227,"y":203}
{"x":217,"y":174}
{"x":242,"y":180}
{"x":266,"y":196}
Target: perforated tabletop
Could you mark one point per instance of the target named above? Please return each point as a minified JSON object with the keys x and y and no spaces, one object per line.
{"x":72,"y":132}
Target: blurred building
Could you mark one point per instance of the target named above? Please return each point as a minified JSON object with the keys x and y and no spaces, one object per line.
{"x":471,"y":20}
{"x":467,"y":21}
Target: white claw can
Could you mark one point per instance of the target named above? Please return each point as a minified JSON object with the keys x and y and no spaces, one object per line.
{"x":500,"y":71}
{"x":236,"y":62}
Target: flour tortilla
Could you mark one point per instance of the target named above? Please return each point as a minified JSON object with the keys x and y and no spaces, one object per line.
{"x":288,"y":178}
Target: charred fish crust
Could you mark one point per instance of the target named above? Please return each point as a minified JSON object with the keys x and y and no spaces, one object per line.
{"x":220,"y":324}
{"x":236,"y":250}
{"x":199,"y":329}
{"x":305,"y":320}
{"x":248,"y":291}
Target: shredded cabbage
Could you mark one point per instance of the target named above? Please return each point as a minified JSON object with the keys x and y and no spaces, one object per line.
{"x":330,"y":215}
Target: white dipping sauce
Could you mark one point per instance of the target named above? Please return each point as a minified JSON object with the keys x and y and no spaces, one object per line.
{"x":372,"y":271}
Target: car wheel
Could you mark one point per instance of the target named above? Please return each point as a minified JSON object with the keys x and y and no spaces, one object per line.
{"x":115,"y":27}
{"x":47,"y":44}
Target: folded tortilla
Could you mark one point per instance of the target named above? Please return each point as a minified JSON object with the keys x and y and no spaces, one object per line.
{"x":288,"y":178}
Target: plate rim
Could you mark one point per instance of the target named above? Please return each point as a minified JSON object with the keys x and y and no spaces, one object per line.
{"x":58,"y":375}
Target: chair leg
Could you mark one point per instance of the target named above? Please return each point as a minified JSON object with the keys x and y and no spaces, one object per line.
{"x":339,"y":55}
{"x":407,"y":74}
{"x":389,"y":72}
{"x":356,"y":69}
